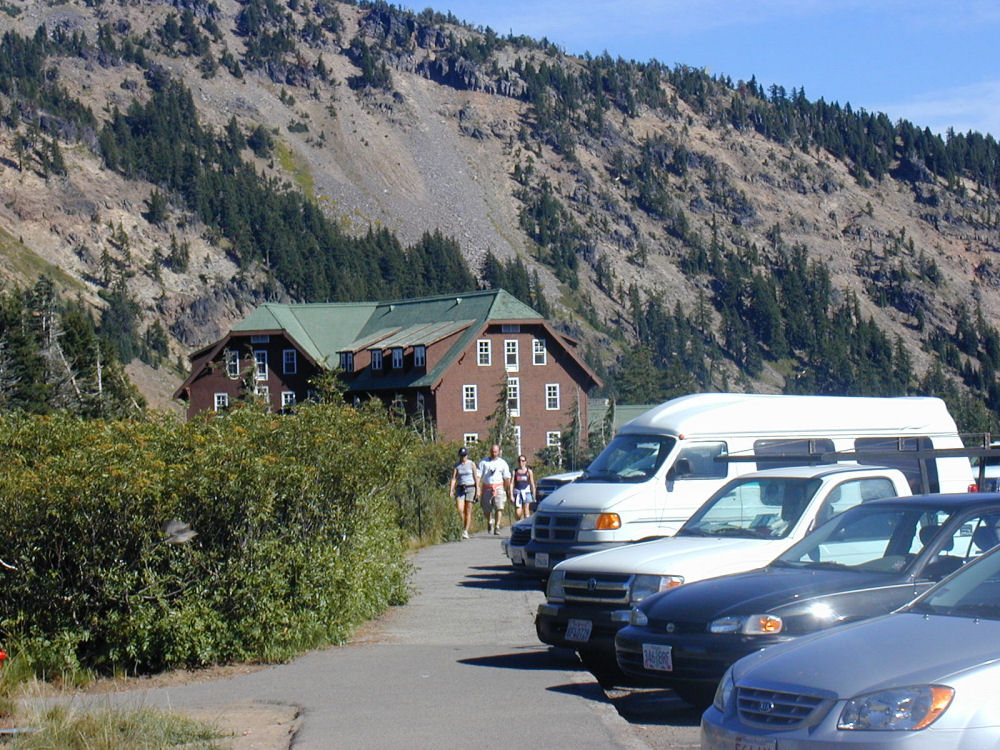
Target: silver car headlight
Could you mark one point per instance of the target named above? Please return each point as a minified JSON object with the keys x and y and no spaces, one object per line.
{"x":647,"y":585}
{"x":896,"y":709}
{"x":752,"y":625}
{"x":555,"y":591}
{"x":724,"y":692}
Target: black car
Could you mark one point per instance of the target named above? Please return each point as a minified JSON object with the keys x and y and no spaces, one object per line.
{"x":868,"y":561}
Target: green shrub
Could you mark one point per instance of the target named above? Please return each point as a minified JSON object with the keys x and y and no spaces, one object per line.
{"x":302,"y":527}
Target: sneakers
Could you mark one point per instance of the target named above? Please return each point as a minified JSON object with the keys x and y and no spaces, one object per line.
{"x":496,"y":529}
{"x":465,"y":535}
{"x":492,"y":529}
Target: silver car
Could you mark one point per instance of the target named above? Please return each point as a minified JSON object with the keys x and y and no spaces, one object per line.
{"x":926,"y":677}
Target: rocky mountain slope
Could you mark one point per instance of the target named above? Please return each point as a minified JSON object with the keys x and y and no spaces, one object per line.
{"x":417,"y":123}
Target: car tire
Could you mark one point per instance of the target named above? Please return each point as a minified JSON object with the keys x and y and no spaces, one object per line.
{"x":698,"y":696}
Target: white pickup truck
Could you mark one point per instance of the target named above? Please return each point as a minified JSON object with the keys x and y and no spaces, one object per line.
{"x":744,"y":525}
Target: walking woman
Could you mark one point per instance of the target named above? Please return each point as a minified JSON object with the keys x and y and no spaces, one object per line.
{"x":524,"y":488}
{"x":464,"y":488}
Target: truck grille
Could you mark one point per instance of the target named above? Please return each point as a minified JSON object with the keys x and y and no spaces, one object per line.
{"x":520,"y":535}
{"x":774,"y":709}
{"x":596,"y":588}
{"x":555,"y":528}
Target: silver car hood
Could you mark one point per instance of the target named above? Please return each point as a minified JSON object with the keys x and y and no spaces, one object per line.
{"x":890,"y":651}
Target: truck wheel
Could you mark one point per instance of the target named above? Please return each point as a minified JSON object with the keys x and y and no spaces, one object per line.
{"x":604,"y":668}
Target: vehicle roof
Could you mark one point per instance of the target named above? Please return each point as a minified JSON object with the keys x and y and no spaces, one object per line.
{"x":951,"y":502}
{"x":816,"y":471}
{"x":734,"y":414}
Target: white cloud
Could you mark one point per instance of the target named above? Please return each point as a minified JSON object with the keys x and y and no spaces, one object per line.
{"x":963,"y":108}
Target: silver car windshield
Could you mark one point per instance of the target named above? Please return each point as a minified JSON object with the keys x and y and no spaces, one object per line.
{"x":753,"y":509}
{"x":629,"y":458}
{"x":974,"y":592}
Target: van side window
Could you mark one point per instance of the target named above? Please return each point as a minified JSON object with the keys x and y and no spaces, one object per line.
{"x":893,"y":452}
{"x":776,"y":454}
{"x":697,"y":461}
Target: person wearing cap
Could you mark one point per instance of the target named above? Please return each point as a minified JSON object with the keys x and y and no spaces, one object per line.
{"x":464,"y":488}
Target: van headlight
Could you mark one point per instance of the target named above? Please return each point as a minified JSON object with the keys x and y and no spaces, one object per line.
{"x":600,"y":522}
{"x":647,"y":585}
{"x":752,"y":625}
{"x":896,"y":709}
{"x":556,"y":589}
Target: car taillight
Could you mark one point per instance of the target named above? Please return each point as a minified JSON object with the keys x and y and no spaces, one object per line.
{"x":973,"y":488}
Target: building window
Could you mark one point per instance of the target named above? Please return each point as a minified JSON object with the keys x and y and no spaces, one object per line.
{"x":260,"y":339}
{"x":260,"y":357}
{"x":376,"y":359}
{"x":553,"y":439}
{"x":419,"y":355}
{"x":538,"y":354}
{"x":221,"y":401}
{"x":510,"y":354}
{"x":397,"y":358}
{"x":233,"y":365}
{"x":514,"y":397}
{"x":551,"y":396}
{"x":470,"y":437}
{"x":484,"y":350}
{"x":347,"y":361}
{"x":264,"y":392}
{"x":289,"y":361}
{"x":421,"y":406}
{"x":510,"y":328}
{"x":287,"y":399}
{"x":517,"y":438}
{"x":470,"y":397}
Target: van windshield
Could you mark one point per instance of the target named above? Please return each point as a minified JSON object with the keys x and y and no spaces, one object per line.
{"x":629,"y":458}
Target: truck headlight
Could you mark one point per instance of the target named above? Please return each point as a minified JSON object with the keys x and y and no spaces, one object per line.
{"x":647,"y":585}
{"x":896,"y":709}
{"x":752,"y":625}
{"x":600,"y":522}
{"x":556,"y":589}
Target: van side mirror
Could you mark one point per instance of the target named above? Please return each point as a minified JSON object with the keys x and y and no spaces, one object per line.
{"x":682,"y":468}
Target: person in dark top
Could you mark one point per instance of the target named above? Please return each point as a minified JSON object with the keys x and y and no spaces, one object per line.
{"x":524,"y":488}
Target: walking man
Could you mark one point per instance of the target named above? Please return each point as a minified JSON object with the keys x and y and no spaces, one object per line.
{"x":464,"y":488}
{"x":494,"y":474}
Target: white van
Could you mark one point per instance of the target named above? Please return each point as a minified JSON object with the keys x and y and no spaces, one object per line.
{"x":663,"y":465}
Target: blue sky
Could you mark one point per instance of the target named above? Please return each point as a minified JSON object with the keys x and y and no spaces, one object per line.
{"x":936,"y":64}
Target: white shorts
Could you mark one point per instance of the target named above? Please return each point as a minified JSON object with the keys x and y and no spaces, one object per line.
{"x":522,"y":497}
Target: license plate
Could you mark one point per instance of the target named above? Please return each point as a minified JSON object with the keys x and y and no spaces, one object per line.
{"x":657,"y":657}
{"x":516,"y":555}
{"x":578,"y":630}
{"x":754,"y":743}
{"x":542,"y":560}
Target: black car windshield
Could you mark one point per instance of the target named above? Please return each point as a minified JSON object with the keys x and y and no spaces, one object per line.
{"x":753,"y":508}
{"x":868,"y":538}
{"x":629,"y":458}
{"x":974,"y":592}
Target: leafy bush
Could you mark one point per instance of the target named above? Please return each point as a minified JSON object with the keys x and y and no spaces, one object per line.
{"x":302,"y":523}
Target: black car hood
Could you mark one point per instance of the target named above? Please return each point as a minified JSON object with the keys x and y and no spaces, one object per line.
{"x":759,"y":591}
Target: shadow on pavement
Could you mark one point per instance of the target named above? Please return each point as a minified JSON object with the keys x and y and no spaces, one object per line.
{"x":499,"y":577}
{"x":536,"y":658}
{"x":653,"y":706}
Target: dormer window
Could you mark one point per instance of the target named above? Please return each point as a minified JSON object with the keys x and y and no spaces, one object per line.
{"x":376,"y":359}
{"x":397,"y":358}
{"x":420,"y":356}
{"x":347,"y":362}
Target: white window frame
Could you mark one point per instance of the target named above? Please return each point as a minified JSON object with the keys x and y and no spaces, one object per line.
{"x":539,"y":355}
{"x":347,"y":361}
{"x":233,"y":364}
{"x":264,"y":392}
{"x":470,"y":397}
{"x":484,"y":352}
{"x":376,"y":359}
{"x":397,"y":358}
{"x":510,"y":355}
{"x":552,"y":397}
{"x":420,"y":356}
{"x":517,"y":438}
{"x":514,"y":396}
{"x":260,"y":364}
{"x":287,"y":399}
{"x":221,"y":401}
{"x":470,"y":437}
{"x":289,"y":361}
{"x":553,"y":439}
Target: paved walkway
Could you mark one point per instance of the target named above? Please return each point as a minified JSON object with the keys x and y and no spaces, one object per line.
{"x":459,"y":666}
